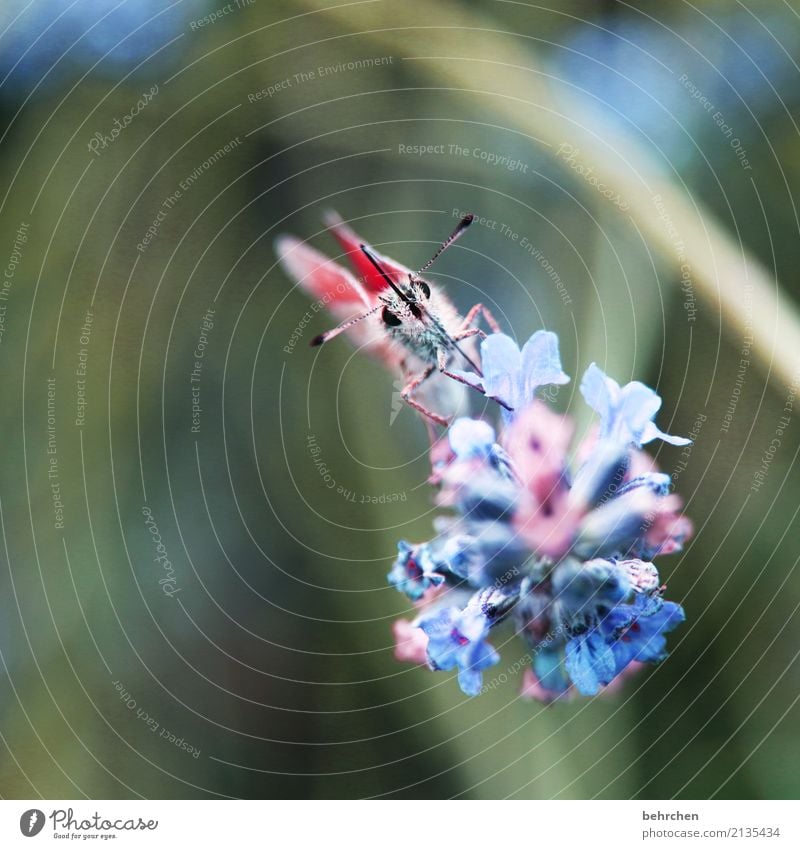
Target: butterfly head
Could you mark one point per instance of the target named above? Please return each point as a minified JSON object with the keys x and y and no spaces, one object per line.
{"x":407,"y":305}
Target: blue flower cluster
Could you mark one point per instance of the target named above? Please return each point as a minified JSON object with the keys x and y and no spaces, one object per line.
{"x":564,"y":558}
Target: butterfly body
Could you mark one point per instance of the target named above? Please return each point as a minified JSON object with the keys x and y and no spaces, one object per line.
{"x":419,"y":333}
{"x":407,"y":322}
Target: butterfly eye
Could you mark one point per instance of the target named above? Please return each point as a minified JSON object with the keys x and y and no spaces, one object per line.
{"x":389,"y":318}
{"x":425,"y":288}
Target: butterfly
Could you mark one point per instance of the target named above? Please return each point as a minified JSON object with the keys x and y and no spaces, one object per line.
{"x":408,"y":322}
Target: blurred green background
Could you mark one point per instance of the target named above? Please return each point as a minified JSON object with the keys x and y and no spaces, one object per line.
{"x":257,"y":661}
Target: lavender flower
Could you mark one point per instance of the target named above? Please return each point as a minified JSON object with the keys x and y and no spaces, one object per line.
{"x":511,"y":376}
{"x":415,"y":570}
{"x":457,"y":638}
{"x":626,"y":413}
{"x":562,"y":555}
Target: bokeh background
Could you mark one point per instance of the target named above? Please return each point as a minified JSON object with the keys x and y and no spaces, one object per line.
{"x":645,"y":210}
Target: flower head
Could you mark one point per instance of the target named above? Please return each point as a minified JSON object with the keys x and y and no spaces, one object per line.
{"x":414,"y":570}
{"x":560,"y":550}
{"x":636,"y":631}
{"x":511,"y":376}
{"x":457,"y":639}
{"x":626,"y":413}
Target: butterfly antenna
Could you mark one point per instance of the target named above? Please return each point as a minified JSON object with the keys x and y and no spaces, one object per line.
{"x":464,"y":354}
{"x":380,"y":269}
{"x":455,"y":235}
{"x":330,"y":334}
{"x":462,"y":226}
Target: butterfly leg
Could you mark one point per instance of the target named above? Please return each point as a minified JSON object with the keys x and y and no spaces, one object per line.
{"x":470,"y":317}
{"x":442,"y":363}
{"x":412,"y":384}
{"x":468,"y":334}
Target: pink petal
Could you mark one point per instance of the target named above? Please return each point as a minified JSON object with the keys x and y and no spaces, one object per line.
{"x":441,"y":456}
{"x":410,"y":643}
{"x":669,"y":528}
{"x":538,"y":441}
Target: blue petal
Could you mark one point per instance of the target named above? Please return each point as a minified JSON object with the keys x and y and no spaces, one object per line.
{"x":547,"y":666}
{"x":483,"y":656}
{"x":424,"y":574}
{"x":637,"y":406}
{"x":624,"y":653}
{"x":471,"y":438}
{"x":442,"y":649}
{"x":453,"y":555}
{"x":590,"y":662}
{"x":626,"y":414}
{"x":487,"y":495}
{"x":651,"y":432}
{"x":605,"y":468}
{"x":657,"y":482}
{"x":637,"y":631}
{"x":580,"y":587}
{"x":673,"y":615}
{"x":613,"y":528}
{"x":601,"y":393}
{"x":457,"y":638}
{"x":502,"y":364}
{"x":470,"y":677}
{"x":541,"y":365}
{"x":470,"y":681}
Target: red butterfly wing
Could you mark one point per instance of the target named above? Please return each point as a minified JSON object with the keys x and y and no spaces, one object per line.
{"x":343,"y":295}
{"x":351,"y":243}
{"x":321,"y":277}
